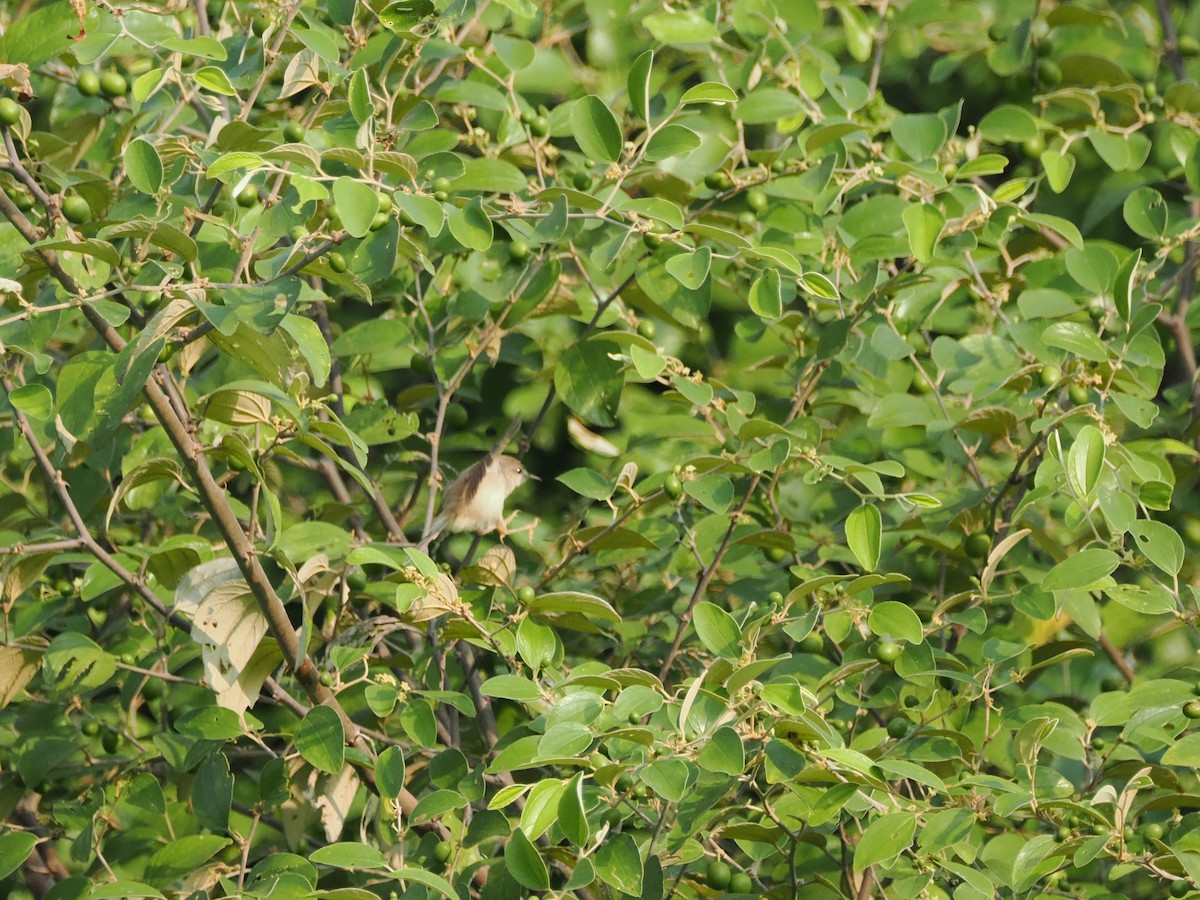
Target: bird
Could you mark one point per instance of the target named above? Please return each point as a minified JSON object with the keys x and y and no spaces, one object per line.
{"x":475,"y":500}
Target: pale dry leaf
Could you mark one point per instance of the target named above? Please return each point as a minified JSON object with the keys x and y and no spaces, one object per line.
{"x":586,"y":439}
{"x":226,"y":620}
{"x":336,"y":797}
{"x":440,"y":598}
{"x":18,"y":665}
{"x":241,"y":695}
{"x":629,"y":474}
{"x":500,"y":564}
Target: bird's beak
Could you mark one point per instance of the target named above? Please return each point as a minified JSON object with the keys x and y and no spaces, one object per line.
{"x":532,"y":477}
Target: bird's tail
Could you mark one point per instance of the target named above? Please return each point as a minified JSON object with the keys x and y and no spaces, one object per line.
{"x":436,"y":527}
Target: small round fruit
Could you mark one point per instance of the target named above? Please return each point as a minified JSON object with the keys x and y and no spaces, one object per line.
{"x":1181,"y":888}
{"x":356,"y":580}
{"x":441,"y":196}
{"x":88,"y":83}
{"x":1191,"y":709}
{"x":775,"y":597}
{"x":384,"y":201}
{"x":379,"y":221}
{"x":91,"y":728}
{"x":526,"y":595}
{"x":113,"y":84}
{"x":673,"y":487}
{"x":887,"y":651}
{"x":747,"y":220}
{"x":337,"y":262}
{"x":776,"y":554}
{"x":756,"y":199}
{"x":247,"y":196}
{"x":647,"y":329}
{"x":741,"y":883}
{"x":441,"y":184}
{"x":327,"y":679}
{"x":539,"y":127}
{"x":519,"y":249}
{"x":897,"y":727}
{"x":717,"y":181}
{"x":1152,"y":832}
{"x":717,"y":874}
{"x":297,"y":233}
{"x":1078,"y":394}
{"x":977,"y":545}
{"x":1050,"y":376}
{"x":22,"y":200}
{"x":293,"y":132}
{"x":652,"y":241}
{"x":442,"y":851}
{"x":110,"y":741}
{"x":912,"y":700}
{"x":76,"y":210}
{"x":1098,"y":743}
{"x":10,"y":112}
{"x":582,"y":181}
{"x":624,"y":782}
{"x":1064,"y":834}
{"x":812,"y":643}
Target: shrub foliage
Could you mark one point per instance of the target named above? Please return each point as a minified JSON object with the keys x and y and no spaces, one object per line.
{"x":853,"y":344}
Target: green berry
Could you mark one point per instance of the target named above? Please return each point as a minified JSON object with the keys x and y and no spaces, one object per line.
{"x":337,"y":262}
{"x":1050,"y":376}
{"x":110,"y":741}
{"x":647,"y":329}
{"x":756,"y":199}
{"x":519,"y":249}
{"x":379,"y":221}
{"x":582,"y":181}
{"x":384,"y":200}
{"x":10,"y":112}
{"x":113,"y":84}
{"x":526,"y":595}
{"x":673,"y":487}
{"x":442,"y":851}
{"x":1078,"y":394}
{"x":717,"y":181}
{"x":293,"y":132}
{"x":1191,"y":709}
{"x":23,"y":200}
{"x":812,"y":643}
{"x":539,"y":127}
{"x":977,"y":545}
{"x":76,"y":210}
{"x":717,"y":875}
{"x":247,"y":196}
{"x":897,"y":727}
{"x":1152,"y":832}
{"x":441,"y":196}
{"x":1181,"y":888}
{"x":741,"y":883}
{"x":91,"y":728}
{"x":88,"y":83}
{"x":887,"y":651}
{"x":652,"y":241}
{"x":441,"y":184}
{"x":776,"y":554}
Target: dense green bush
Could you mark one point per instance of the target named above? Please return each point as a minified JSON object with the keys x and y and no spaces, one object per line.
{"x":854,"y":345}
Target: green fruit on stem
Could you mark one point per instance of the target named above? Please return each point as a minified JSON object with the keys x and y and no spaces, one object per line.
{"x":379,"y":221}
{"x":442,"y":851}
{"x":741,"y":883}
{"x":293,"y":132}
{"x":647,"y":329}
{"x":1152,"y":831}
{"x":887,"y":651}
{"x":897,"y":727}
{"x":977,"y":545}
{"x":717,"y":874}
{"x":756,"y":199}
{"x":519,"y":249}
{"x":717,"y":181}
{"x":113,"y":84}
{"x":10,"y":111}
{"x":385,"y":202}
{"x":776,"y":554}
{"x":22,"y":200}
{"x":88,"y":83}
{"x":337,"y":262}
{"x":1191,"y":709}
{"x":441,"y":184}
{"x":582,"y":181}
{"x":1078,"y":394}
{"x":673,"y":487}
{"x":539,"y":127}
{"x":652,"y":241}
{"x":1050,"y":376}
{"x":1181,"y":888}
{"x":76,"y":210}
{"x":526,"y":595}
{"x":247,"y":196}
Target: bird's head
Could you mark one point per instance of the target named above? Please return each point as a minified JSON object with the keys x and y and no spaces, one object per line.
{"x":513,"y":472}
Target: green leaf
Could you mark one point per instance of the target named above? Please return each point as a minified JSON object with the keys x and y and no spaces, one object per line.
{"x":143,"y":166}
{"x":1123,"y":297}
{"x":885,"y":838}
{"x":35,"y":400}
{"x":587,"y":483}
{"x":425,"y":211}
{"x":639,"y":85}
{"x":680,"y":28}
{"x":1160,"y":544}
{"x":896,"y":620}
{"x":511,"y":687}
{"x":471,"y":225}
{"x":1008,"y":124}
{"x":596,"y":129}
{"x":1085,"y":460}
{"x":589,"y":381}
{"x":924,"y":224}
{"x":572,"y":818}
{"x":360,"y":96}
{"x":714,"y":492}
{"x":356,"y":203}
{"x":389,"y":772}
{"x":516,"y":53}
{"x":1082,"y":570}
{"x":691,"y":269}
{"x":1077,"y":339}
{"x":348,"y":855}
{"x":215,"y":80}
{"x":1058,"y":166}
{"x":321,"y":739}
{"x":524,"y":863}
{"x":766,"y":295}
{"x":1145,"y":212}
{"x":619,"y":864}
{"x":723,"y":752}
{"x":718,"y":630}
{"x":708,"y":92}
{"x":212,"y":793}
{"x":671,"y":140}
{"x":920,"y":135}
{"x":15,"y":847}
{"x":574,"y":602}
{"x":183,"y":857}
{"x":864,"y":531}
